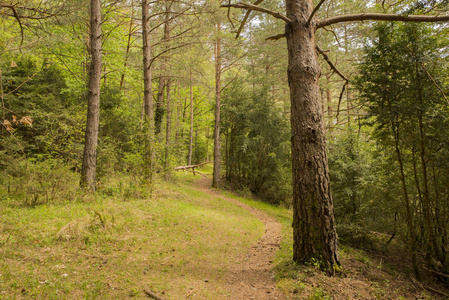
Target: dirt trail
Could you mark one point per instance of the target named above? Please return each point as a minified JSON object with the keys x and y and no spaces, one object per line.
{"x":251,"y":277}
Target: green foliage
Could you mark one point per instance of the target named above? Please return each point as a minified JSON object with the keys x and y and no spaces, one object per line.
{"x":359,"y":190}
{"x":257,"y":144}
{"x":40,"y":93}
{"x":33,"y":182}
{"x":402,"y":83}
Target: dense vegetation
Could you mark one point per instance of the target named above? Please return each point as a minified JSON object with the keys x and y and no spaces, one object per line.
{"x":386,"y":130}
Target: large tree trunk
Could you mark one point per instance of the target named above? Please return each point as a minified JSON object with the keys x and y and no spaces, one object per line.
{"x":93,"y":109}
{"x":314,"y":231}
{"x":148,"y":94}
{"x":217,"y":153}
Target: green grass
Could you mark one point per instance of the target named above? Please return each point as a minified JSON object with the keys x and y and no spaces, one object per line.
{"x":179,"y":242}
{"x":112,"y":247}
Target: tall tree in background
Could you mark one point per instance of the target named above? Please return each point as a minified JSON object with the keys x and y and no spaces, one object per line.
{"x":189,"y":158}
{"x":314,"y":230}
{"x":148,"y":93}
{"x":217,"y":154}
{"x":93,"y":110}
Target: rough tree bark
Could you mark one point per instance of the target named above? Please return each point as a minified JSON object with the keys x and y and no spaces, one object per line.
{"x":314,"y":231}
{"x":217,"y":153}
{"x":89,"y":168}
{"x":148,"y":94}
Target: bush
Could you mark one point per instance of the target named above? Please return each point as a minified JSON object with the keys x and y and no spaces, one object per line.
{"x":34,"y":182}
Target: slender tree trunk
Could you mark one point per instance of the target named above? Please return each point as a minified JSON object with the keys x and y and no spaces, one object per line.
{"x":348,"y":93}
{"x":314,"y":231}
{"x":329,"y":103}
{"x":162,"y":79}
{"x":89,"y":168}
{"x":148,"y":94}
{"x":408,"y":210}
{"x":148,"y":91}
{"x":425,"y":191}
{"x":159,"y":114}
{"x":178,"y":121}
{"x":1,"y":95}
{"x":349,"y":106}
{"x":191,"y":121}
{"x":415,"y":173}
{"x":167,"y":131}
{"x":438,"y":224}
{"x":128,"y":46}
{"x":105,"y":71}
{"x":217,"y":150}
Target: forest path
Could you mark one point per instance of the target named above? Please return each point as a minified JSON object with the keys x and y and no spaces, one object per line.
{"x":251,"y":276}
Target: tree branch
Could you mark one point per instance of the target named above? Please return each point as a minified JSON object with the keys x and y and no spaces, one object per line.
{"x":152,"y":295}
{"x":250,"y":6}
{"x":435,"y":83}
{"x":20,"y":85}
{"x":16,"y":16}
{"x":341,"y":97}
{"x":315,"y":11}
{"x":335,"y":35}
{"x":381,"y":17}
{"x":275,"y":37}
{"x":168,"y":50}
{"x":333,"y":67}
{"x":245,"y":18}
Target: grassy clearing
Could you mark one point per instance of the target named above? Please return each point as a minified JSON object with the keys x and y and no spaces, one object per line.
{"x":180,"y":242}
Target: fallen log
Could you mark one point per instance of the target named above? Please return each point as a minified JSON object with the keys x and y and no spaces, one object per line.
{"x":152,"y":295}
{"x":187,"y":168}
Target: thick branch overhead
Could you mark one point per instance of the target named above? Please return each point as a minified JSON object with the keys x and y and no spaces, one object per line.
{"x":250,"y":6}
{"x":245,"y":18}
{"x":381,"y":17}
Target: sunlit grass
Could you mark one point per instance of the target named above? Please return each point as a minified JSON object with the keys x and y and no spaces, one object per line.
{"x":113,"y":246}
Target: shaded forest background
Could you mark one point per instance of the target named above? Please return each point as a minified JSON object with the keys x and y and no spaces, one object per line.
{"x":387,"y":126}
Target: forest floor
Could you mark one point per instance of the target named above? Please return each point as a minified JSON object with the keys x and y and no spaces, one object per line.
{"x":187,"y":241}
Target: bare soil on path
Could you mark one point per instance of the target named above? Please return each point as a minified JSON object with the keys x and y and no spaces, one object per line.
{"x":251,"y":276}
